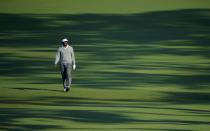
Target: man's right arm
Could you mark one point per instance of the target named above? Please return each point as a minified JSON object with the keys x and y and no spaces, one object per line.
{"x":57,"y":56}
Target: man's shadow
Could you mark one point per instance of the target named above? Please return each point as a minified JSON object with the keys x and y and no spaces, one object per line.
{"x":35,"y":89}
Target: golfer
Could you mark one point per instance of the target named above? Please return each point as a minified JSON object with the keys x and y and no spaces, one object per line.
{"x":65,"y":57}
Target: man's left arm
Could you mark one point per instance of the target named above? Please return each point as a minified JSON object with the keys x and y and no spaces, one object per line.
{"x":73,"y":59}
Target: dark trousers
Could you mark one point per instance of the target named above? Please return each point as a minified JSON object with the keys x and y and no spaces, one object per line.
{"x":66,"y":74}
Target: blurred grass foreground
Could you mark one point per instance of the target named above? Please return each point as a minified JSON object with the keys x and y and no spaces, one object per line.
{"x":146,"y":67}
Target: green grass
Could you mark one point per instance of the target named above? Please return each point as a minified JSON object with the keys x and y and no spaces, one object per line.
{"x":144,"y":71}
{"x":97,"y":6}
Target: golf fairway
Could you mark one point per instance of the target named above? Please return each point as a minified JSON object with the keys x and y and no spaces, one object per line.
{"x":141,"y":65}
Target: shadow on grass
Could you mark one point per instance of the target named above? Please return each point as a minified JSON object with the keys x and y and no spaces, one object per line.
{"x":113,"y":52}
{"x":9,"y":117}
{"x":187,"y":97}
{"x":36,"y":89}
{"x":65,"y":101}
{"x":110,"y":48}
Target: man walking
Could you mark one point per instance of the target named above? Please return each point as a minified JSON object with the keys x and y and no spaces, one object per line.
{"x":65,"y":57}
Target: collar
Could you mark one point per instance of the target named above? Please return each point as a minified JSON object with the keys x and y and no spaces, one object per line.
{"x":66,"y":47}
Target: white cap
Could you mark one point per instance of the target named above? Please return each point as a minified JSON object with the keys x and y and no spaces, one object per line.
{"x":64,"y":40}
